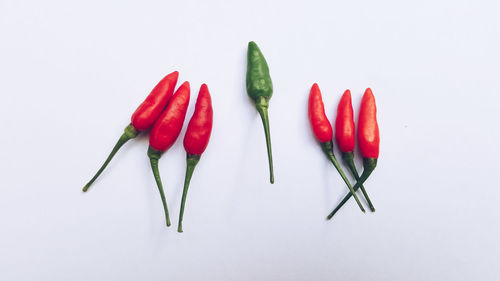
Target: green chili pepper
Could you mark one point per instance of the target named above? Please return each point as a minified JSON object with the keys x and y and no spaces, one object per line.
{"x":260,"y":89}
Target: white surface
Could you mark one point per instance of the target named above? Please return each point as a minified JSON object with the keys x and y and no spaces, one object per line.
{"x":73,"y":73}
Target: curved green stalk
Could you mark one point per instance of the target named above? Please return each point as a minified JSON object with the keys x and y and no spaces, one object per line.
{"x":130,"y":133}
{"x":349,"y":160}
{"x":369,"y":165}
{"x":154,"y":155}
{"x":328,"y":149}
{"x":191,"y":161}
{"x":262,"y":105}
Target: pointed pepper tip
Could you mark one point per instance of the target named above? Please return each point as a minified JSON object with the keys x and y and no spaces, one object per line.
{"x":174,"y":74}
{"x":203,"y":88}
{"x":185,"y":85}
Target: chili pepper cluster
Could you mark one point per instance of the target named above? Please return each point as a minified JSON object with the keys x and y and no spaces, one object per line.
{"x":163,"y":113}
{"x":368,"y":138}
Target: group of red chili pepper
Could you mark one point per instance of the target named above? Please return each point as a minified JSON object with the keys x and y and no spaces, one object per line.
{"x":368,"y":138}
{"x":164,"y":112}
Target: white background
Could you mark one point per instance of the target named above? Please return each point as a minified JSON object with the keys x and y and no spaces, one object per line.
{"x":73,"y":72}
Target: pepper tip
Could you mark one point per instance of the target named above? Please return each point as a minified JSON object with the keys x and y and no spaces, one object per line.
{"x":203,"y":88}
{"x":174,"y":74}
{"x":252,"y":46}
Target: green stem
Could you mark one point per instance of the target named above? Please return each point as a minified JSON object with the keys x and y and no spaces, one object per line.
{"x":262,"y":104}
{"x":369,"y":165}
{"x":129,"y":133}
{"x":191,"y":160}
{"x":349,"y":160}
{"x":328,"y":149}
{"x":154,"y":155}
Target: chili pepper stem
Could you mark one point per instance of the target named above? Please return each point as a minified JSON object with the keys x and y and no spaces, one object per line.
{"x":191,"y":161}
{"x":369,"y":165}
{"x":328,"y":149}
{"x":154,"y":155}
{"x":129,"y":133}
{"x":348,"y":158}
{"x":262,"y":104}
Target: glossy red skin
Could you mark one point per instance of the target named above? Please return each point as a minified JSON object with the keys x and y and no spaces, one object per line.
{"x":344,"y":124}
{"x":151,"y":108}
{"x":368,"y":133}
{"x":316,"y":110}
{"x":168,"y":126}
{"x":200,"y":125}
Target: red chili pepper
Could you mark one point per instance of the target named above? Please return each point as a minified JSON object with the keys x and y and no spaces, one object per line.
{"x":324,"y":133}
{"x":345,"y":136}
{"x":368,"y":133}
{"x":344,"y":124}
{"x":144,"y":116}
{"x":319,"y":122}
{"x":369,"y":140}
{"x":196,"y":140}
{"x":164,"y":133}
